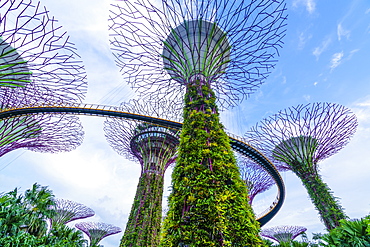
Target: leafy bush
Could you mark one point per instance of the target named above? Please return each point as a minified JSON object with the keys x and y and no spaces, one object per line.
{"x":354,"y":233}
{"x":23,"y":221}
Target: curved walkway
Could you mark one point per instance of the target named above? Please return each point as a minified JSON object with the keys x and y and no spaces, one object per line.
{"x":111,"y":111}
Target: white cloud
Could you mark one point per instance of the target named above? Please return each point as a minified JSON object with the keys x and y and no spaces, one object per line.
{"x":309,"y":4}
{"x":320,"y":49}
{"x":336,"y":60}
{"x":302,"y":40}
{"x":307,"y":97}
{"x":341,"y":32}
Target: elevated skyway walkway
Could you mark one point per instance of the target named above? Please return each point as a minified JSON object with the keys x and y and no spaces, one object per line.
{"x":237,"y":143}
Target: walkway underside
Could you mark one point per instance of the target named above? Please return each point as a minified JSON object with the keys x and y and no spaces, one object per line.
{"x":111,"y":111}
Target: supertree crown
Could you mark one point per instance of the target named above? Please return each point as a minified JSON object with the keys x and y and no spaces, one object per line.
{"x":255,"y":177}
{"x":40,"y":133}
{"x":283,"y":233}
{"x":96,"y":231}
{"x":153,"y":146}
{"x":232,"y":44}
{"x":67,"y":211}
{"x":36,"y":56}
{"x":14,"y":71}
{"x":308,"y":133}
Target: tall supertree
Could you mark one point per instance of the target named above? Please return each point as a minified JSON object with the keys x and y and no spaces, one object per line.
{"x":66,"y":211}
{"x":38,"y":65}
{"x":155,"y":148}
{"x":299,"y":137}
{"x":255,"y":177}
{"x":201,"y":48}
{"x":96,"y":231}
{"x":283,"y":233}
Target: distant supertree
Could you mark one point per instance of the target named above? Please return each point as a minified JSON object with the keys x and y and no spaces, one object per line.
{"x":299,"y":137}
{"x":283,"y":233}
{"x":155,"y":148}
{"x":96,"y":231}
{"x":67,"y":211}
{"x":38,"y":65}
{"x":195,"y":47}
{"x":255,"y":177}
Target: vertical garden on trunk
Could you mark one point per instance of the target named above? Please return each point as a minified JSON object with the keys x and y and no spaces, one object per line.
{"x":209,"y":202}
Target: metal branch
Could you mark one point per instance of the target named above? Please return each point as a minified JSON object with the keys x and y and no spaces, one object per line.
{"x":252,"y":35}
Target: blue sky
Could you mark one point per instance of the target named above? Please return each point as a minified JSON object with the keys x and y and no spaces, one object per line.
{"x":325,"y":58}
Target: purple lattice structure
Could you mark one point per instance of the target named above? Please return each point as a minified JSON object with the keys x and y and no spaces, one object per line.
{"x":40,"y":133}
{"x":161,"y":46}
{"x":153,"y":146}
{"x":324,"y":128}
{"x":67,"y":211}
{"x":283,"y":233}
{"x":96,"y":231}
{"x":36,"y":57}
{"x":38,"y":65}
{"x":298,"y":138}
{"x":255,"y":177}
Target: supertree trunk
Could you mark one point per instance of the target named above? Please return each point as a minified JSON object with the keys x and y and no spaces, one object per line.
{"x":144,"y":222}
{"x":155,"y":148}
{"x":209,"y":202}
{"x":322,"y":198}
{"x":299,"y":138}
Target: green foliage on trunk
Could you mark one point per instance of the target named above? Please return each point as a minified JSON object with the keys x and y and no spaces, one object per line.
{"x":326,"y":204}
{"x":209,"y":202}
{"x":298,"y":153}
{"x":143,"y":226}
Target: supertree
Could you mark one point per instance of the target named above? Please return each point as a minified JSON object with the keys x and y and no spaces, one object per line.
{"x":255,"y":177}
{"x":283,"y":233}
{"x":36,"y":56}
{"x":196,"y":48}
{"x":155,"y":148}
{"x":299,"y":137}
{"x":96,"y":231}
{"x":66,"y":211}
{"x":38,"y":65}
{"x":40,"y":134}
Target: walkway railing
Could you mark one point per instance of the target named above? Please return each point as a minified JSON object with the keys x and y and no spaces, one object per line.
{"x":237,"y":143}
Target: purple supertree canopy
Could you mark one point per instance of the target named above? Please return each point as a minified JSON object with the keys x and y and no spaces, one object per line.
{"x":283,"y":233}
{"x":309,"y":133}
{"x":36,"y":57}
{"x":38,"y":65}
{"x":153,"y":146}
{"x":161,"y":46}
{"x":40,"y":133}
{"x":96,"y":231}
{"x":255,"y":177}
{"x":67,"y":211}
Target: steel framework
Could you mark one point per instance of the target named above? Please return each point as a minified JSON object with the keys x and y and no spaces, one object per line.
{"x":67,"y":211}
{"x":96,"y":231}
{"x":237,"y":144}
{"x":160,"y":47}
{"x":298,"y":138}
{"x":155,"y":148}
{"x":38,"y":65}
{"x":283,"y":233}
{"x":36,"y":57}
{"x":257,"y":179}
